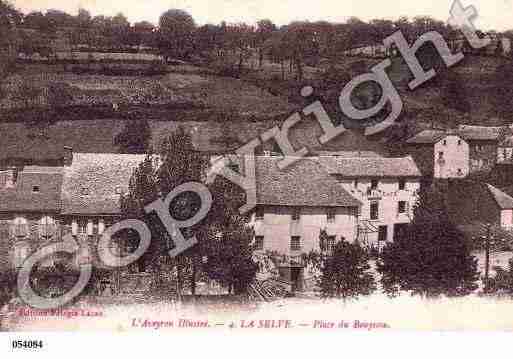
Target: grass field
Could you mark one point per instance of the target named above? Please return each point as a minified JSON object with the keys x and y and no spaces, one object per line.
{"x":222,"y":94}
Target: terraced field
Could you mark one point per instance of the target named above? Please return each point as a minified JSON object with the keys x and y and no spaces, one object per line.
{"x":219,"y":95}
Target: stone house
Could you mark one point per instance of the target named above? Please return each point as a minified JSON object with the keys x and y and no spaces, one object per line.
{"x":30,"y":204}
{"x":92,"y":186}
{"x":387,"y":189}
{"x":456,"y":153}
{"x":40,"y":204}
{"x":365,"y":199}
{"x":294,"y":205}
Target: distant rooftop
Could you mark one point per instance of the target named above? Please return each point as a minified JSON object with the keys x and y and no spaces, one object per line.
{"x":35,"y":190}
{"x":371,"y":166}
{"x":94,"y":182}
{"x":467,"y":132}
{"x":503,"y":200}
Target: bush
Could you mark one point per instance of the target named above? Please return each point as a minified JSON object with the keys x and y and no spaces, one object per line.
{"x":8,"y":285}
{"x":502,"y":282}
{"x":431,"y":257}
{"x":344,"y":274}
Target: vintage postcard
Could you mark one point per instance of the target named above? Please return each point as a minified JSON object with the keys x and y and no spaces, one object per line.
{"x":188,"y":166}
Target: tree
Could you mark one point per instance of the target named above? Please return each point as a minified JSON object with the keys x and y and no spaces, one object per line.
{"x":7,"y":286}
{"x":264,"y":31}
{"x":207,"y":39}
{"x":430,"y":257}
{"x":276,"y":50}
{"x":178,"y":164}
{"x":299,"y":43}
{"x":83,"y":19}
{"x":135,"y":137}
{"x":143,"y":33}
{"x":176,"y":33}
{"x":229,"y":256}
{"x":345,"y":273}
{"x":59,"y":19}
{"x":38,"y":21}
{"x":239,"y":38}
{"x":381,"y":29}
{"x":10,"y":18}
{"x":503,"y":89}
{"x":453,"y":92}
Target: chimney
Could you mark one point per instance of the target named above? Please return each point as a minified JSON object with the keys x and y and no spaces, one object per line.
{"x":68,"y":156}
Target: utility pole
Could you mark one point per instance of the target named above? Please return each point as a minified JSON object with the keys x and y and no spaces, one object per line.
{"x":487,"y":257}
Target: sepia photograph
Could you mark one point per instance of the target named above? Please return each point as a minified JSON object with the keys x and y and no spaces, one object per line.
{"x":188,"y":166}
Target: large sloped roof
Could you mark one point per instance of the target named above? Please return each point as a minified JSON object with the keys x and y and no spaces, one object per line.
{"x":483,"y":133}
{"x":93,"y":183}
{"x":371,"y":166}
{"x":503,"y":200}
{"x":304,"y":183}
{"x":22,"y":196}
{"x":427,"y":137}
{"x":467,"y":132}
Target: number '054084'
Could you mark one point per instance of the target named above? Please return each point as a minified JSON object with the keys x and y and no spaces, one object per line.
{"x":27,"y":344}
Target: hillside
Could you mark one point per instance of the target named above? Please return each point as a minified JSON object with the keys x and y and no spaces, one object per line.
{"x":174,"y":95}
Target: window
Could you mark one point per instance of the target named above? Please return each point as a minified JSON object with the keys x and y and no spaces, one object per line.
{"x":400,"y":230}
{"x":296,"y":215}
{"x":356,"y":183}
{"x":331,"y":215}
{"x":20,"y":227}
{"x":82,"y":227}
{"x":84,"y":191}
{"x":374,"y":184}
{"x":47,"y":227}
{"x":401,"y":208}
{"x":440,"y":155}
{"x":330,"y":245}
{"x":445,"y":142}
{"x":295,"y":243}
{"x":234,"y":166}
{"x":374,"y":210}
{"x":35,"y":189}
{"x":460,"y":173}
{"x":402,"y":184}
{"x":382,"y":233}
{"x":327,"y":244}
{"x":259,"y":243}
{"x":259,"y":214}
{"x":119,"y":190}
{"x":459,"y":142}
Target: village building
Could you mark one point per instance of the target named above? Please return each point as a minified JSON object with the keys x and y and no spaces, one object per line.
{"x":456,"y":153}
{"x":91,"y":193}
{"x":505,"y":150}
{"x":30,"y":203}
{"x":387,"y":189}
{"x":364,"y":199}
{"x":294,"y":205}
{"x":41,"y":204}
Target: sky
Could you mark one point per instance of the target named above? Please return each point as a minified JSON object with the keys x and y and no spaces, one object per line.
{"x":493,"y":14}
